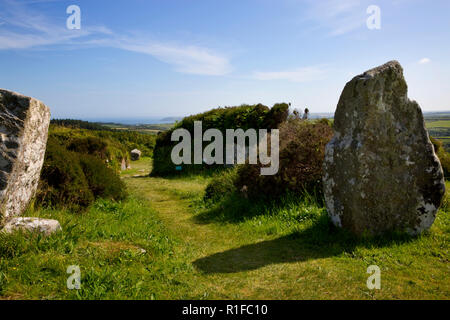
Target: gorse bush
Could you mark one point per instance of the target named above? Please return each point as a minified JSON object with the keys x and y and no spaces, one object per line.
{"x":63,"y":183}
{"x":443,"y":156}
{"x":102,"y":181}
{"x":244,"y":117}
{"x":74,"y":180}
{"x":221,"y":185}
{"x":302,"y":150}
{"x":89,"y":145}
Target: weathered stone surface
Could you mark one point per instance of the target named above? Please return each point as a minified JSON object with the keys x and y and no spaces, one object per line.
{"x":45,"y":226}
{"x":23,"y":138}
{"x":380,"y":169}
{"x":135,"y":154}
{"x":123,"y":164}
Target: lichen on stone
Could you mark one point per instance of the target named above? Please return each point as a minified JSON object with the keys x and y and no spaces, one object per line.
{"x":380,"y":169}
{"x":24,"y":125}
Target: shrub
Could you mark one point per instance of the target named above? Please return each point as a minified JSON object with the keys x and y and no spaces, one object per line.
{"x":302,"y":150}
{"x":74,"y":180}
{"x":221,"y":185}
{"x":63,"y":183}
{"x":102,"y":181}
{"x":443,"y":156}
{"x":89,"y":145}
{"x":277,"y":115}
{"x":244,"y":117}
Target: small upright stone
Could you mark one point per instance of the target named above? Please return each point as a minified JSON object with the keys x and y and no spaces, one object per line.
{"x":24,"y":125}
{"x":380,"y":169}
{"x":135,"y":154}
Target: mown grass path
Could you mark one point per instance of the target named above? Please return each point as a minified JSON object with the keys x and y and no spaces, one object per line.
{"x":259,"y":259}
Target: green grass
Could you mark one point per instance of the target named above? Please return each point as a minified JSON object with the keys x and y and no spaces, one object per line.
{"x":165,"y":243}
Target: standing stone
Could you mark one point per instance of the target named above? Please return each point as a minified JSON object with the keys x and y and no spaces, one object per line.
{"x":123,"y":164}
{"x":135,"y":154}
{"x":24,"y":125}
{"x":380,"y":169}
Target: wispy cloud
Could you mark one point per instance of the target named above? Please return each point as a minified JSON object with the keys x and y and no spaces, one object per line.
{"x":305,"y":74}
{"x":187,"y":59}
{"x":424,"y":61}
{"x":24,"y":29}
{"x":337,"y":16}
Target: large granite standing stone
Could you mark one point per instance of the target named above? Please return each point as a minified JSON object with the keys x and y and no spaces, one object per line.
{"x":380,"y":169}
{"x":24,"y":125}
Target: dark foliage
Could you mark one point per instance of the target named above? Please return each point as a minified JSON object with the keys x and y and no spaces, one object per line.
{"x":74,"y":180}
{"x":302,"y":150}
{"x":102,"y":181}
{"x":443,"y":156}
{"x":89,"y":145}
{"x":78,"y":124}
{"x":221,"y":185}
{"x":63,"y":183}
{"x":244,"y":117}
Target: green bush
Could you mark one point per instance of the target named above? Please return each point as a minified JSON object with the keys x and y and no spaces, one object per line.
{"x":443,"y":156}
{"x":102,"y":181}
{"x":302,"y":150}
{"x":74,"y":180}
{"x":221,"y":185}
{"x":63,"y":183}
{"x":89,"y":145}
{"x":244,"y":117}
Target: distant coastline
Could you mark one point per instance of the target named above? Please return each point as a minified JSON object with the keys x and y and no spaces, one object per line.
{"x":166,"y":120}
{"x":134,"y":121}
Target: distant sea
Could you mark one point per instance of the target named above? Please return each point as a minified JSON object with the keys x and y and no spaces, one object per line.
{"x":135,"y":121}
{"x":156,"y":120}
{"x":159,"y":120}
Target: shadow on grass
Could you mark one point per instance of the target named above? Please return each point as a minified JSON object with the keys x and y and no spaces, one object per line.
{"x":234,"y":208}
{"x":136,"y":176}
{"x":321,"y":240}
{"x":189,"y":171}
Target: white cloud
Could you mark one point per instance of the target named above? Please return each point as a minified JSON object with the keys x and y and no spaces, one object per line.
{"x":424,"y":61}
{"x":25,"y":29}
{"x":186,"y":59}
{"x":305,"y":74}
{"x":337,"y":16}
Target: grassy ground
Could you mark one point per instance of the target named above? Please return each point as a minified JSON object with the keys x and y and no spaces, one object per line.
{"x":164,"y":243}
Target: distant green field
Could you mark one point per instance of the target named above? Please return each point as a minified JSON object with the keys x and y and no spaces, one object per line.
{"x":438,"y":123}
{"x":439,"y":128}
{"x":143,"y":128}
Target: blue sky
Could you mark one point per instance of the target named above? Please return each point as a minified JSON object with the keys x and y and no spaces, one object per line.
{"x":141,"y":58}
